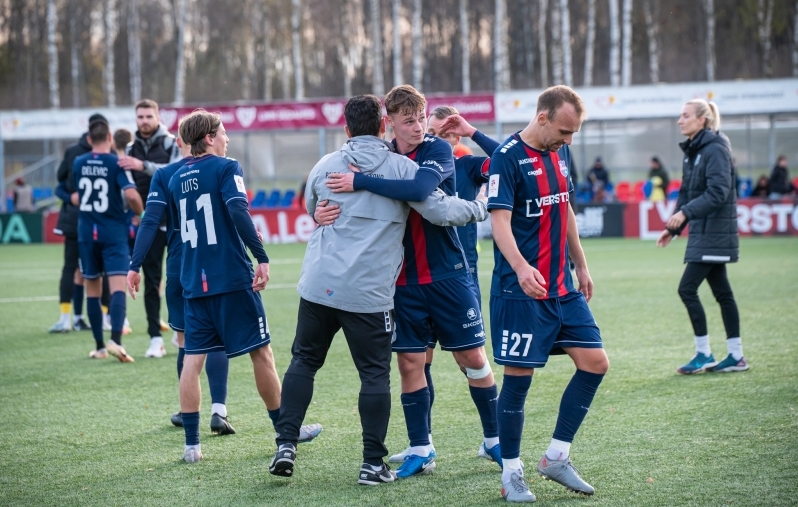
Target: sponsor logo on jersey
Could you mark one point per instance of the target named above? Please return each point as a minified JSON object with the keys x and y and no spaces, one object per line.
{"x":563,"y":168}
{"x":471,"y":314}
{"x":152,"y":194}
{"x":534,"y":207}
{"x":527,"y":161}
{"x":329,"y":292}
{"x":432,"y":163}
{"x":536,"y":172}
{"x":240,"y":183}
{"x":493,"y":186}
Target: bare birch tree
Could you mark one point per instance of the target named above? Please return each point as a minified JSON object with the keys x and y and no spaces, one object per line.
{"x":52,"y":54}
{"x":626,"y":47}
{"x":74,"y":58}
{"x":299,"y":76}
{"x":134,"y":49}
{"x":465,"y":47}
{"x":556,"y":44}
{"x":501,"y":62}
{"x":110,"y":36}
{"x":350,"y":50}
{"x":590,"y":43}
{"x":764,"y":18}
{"x":418,"y":53}
{"x":180,"y":53}
{"x":543,"y":10}
{"x":529,"y":43}
{"x":615,"y":45}
{"x":795,"y":43}
{"x":378,"y":80}
{"x":396,"y":13}
{"x":568,"y":74}
{"x":268,"y":54}
{"x":652,"y":32}
{"x":709,"y":10}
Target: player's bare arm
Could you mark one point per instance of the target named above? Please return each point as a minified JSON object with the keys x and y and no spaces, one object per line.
{"x":529,"y":278}
{"x":578,"y":257}
{"x":133,"y":283}
{"x":261,"y":277}
{"x":134,"y":200}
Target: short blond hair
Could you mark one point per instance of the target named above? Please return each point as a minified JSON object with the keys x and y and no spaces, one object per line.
{"x":443,"y":112}
{"x":707,"y":110}
{"x":404,"y":99}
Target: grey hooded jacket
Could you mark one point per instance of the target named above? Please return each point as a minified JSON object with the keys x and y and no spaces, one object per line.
{"x":352,"y":265}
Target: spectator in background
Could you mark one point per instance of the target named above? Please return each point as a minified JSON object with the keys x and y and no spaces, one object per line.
{"x":23,"y":197}
{"x":762,"y":188}
{"x":780,"y":184}
{"x":598,"y":173}
{"x":658,"y":177}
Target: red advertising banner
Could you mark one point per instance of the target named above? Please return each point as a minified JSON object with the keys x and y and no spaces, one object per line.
{"x":646,"y":220}
{"x":287,"y":225}
{"x":50,"y":221}
{"x":474,"y":108}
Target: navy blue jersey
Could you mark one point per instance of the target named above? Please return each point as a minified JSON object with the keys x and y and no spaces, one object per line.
{"x":159,"y":196}
{"x":431,"y":252}
{"x":534,"y":185}
{"x":100,"y":183}
{"x":214,"y":260}
{"x":471,"y":173}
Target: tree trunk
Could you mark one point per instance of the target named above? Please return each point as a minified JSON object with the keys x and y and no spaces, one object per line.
{"x":285,"y":75}
{"x":249,"y":72}
{"x":590,"y":43}
{"x":652,"y":32}
{"x":615,"y":45}
{"x":396,"y":8}
{"x":543,"y":10}
{"x":529,"y":44}
{"x":465,"y":47}
{"x":709,"y":10}
{"x":764,"y":17}
{"x":134,"y":50}
{"x":556,"y":45}
{"x":110,"y":35}
{"x":568,"y":74}
{"x":268,"y":56}
{"x":180,"y":50}
{"x":350,"y":49}
{"x":418,"y":54}
{"x":501,"y":63}
{"x":795,"y":43}
{"x":626,"y":49}
{"x":52,"y":54}
{"x":378,"y":81}
{"x":74,"y":59}
{"x":299,"y":78}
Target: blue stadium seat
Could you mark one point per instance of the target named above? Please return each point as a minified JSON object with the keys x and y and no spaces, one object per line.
{"x":288,"y":199}
{"x":40,"y":193}
{"x":673,"y":195}
{"x":274,"y":199}
{"x":647,"y":188}
{"x":745,"y":186}
{"x":259,"y":201}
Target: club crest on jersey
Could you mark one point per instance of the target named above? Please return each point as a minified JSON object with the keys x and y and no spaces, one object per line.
{"x":471,"y":314}
{"x":563,"y":168}
{"x":493,"y":186}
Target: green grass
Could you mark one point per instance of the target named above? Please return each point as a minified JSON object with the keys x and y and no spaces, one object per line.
{"x":83,"y":432}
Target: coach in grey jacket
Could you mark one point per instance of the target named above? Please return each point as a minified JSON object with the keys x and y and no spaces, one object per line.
{"x":348,"y":281}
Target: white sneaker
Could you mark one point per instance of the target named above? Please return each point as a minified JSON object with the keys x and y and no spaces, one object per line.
{"x":156,"y":348}
{"x":192,"y":455}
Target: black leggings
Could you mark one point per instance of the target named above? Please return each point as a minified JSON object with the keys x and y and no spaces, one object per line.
{"x":715,"y":275}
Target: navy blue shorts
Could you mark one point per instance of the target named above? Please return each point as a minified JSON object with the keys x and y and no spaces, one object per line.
{"x":175,"y":303}
{"x":449,"y":306}
{"x":233,"y":322}
{"x":97,"y":258}
{"x":524,"y":332}
{"x":433,"y":338}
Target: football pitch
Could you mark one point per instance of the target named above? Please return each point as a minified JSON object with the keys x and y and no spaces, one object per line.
{"x":86,"y":432}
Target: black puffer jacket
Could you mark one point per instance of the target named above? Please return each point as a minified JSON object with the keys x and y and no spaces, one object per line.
{"x":68,"y":217}
{"x":708,"y":199}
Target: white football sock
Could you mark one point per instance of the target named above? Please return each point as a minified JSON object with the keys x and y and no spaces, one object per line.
{"x":219,"y":408}
{"x":702,"y":345}
{"x":558,"y":449}
{"x":77,"y":318}
{"x":65,"y":318}
{"x":490,"y":442}
{"x":735,"y":346}
{"x":195,"y":447}
{"x":510,"y":466}
{"x":421,"y":450}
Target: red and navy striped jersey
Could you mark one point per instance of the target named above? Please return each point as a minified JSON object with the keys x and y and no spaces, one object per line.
{"x":471,"y":172}
{"x":534,"y":185}
{"x":432,"y":252}
{"x":100,"y":183}
{"x":214,"y":259}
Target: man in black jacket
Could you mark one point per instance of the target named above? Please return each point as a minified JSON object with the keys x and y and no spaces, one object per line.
{"x":780,"y":184}
{"x":153,"y":147}
{"x":71,"y":286}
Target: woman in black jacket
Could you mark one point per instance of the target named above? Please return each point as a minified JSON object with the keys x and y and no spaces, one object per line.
{"x":708,"y":203}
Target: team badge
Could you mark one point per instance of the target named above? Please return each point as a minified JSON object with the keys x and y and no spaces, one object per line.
{"x":493,"y":186}
{"x":471,"y":314}
{"x":563,"y":168}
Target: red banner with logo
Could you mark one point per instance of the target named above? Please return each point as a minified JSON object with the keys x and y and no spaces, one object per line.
{"x":474,"y":108}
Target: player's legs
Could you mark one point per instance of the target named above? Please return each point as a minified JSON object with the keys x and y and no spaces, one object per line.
{"x":510,"y":418}
{"x":66,"y":286}
{"x":485,"y":396}
{"x":117,"y":309}
{"x":694,"y":275}
{"x":78,"y":295}
{"x":266,"y":379}
{"x":719,"y":283}
{"x":190,"y":398}
{"x":430,"y":385}
{"x":94,"y":311}
{"x":153,"y":269}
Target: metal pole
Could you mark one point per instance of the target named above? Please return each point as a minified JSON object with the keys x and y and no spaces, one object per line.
{"x":748,"y":147}
{"x":3,"y":199}
{"x":772,"y":142}
{"x":582,"y":152}
{"x":247,"y":168}
{"x":499,"y":134}
{"x":322,"y":142}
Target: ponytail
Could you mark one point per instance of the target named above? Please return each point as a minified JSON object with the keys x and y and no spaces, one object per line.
{"x":713,"y":121}
{"x":709,"y":111}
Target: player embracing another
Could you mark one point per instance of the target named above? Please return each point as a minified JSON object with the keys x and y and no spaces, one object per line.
{"x":535,"y":309}
{"x":223,"y":308}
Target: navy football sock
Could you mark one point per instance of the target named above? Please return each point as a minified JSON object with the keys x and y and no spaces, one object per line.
{"x":274,"y":415}
{"x":217,"y":365}
{"x":510,"y":414}
{"x":486,"y":400}
{"x":431,"y":388}
{"x":416,"y":408}
{"x":117,"y":311}
{"x":181,"y":355}
{"x":95,"y":314}
{"x":77,"y":299}
{"x":576,"y":400}
{"x":191,"y":422}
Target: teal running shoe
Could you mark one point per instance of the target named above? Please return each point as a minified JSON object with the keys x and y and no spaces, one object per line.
{"x":698,"y":364}
{"x":416,"y":465}
{"x":730,"y":364}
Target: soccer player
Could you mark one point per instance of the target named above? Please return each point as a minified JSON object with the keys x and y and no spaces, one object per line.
{"x":535,"y":310}
{"x":217,"y":367}
{"x":102,"y":234}
{"x":435,"y":289}
{"x":347,"y":282}
{"x":223,"y":307}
